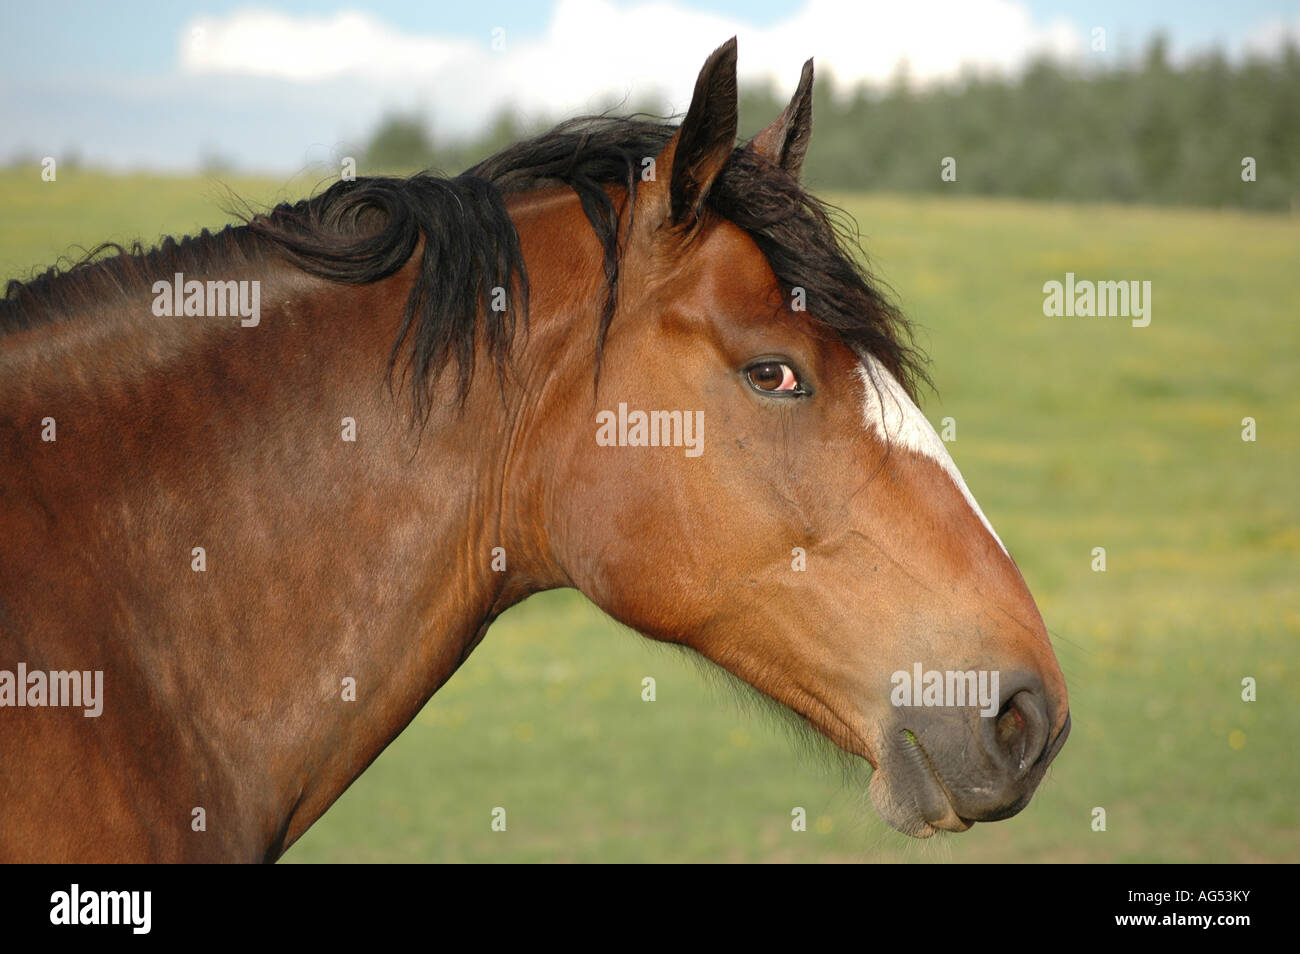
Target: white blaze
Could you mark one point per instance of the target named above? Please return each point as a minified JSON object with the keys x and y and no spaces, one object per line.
{"x":891,"y":414}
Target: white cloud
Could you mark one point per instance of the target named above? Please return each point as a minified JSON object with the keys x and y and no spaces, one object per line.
{"x":1270,"y":36}
{"x":594,"y":50}
{"x":310,"y":49}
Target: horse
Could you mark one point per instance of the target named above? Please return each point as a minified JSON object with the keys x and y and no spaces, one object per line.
{"x":265,"y":489}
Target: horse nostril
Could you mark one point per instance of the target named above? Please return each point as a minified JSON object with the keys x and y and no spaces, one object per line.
{"x":1020,"y":730}
{"x":1010,"y":724}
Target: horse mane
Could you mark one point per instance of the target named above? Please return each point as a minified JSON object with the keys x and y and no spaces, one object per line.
{"x":358,"y":232}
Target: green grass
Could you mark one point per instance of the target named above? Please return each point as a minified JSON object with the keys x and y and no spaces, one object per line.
{"x":1073,"y":433}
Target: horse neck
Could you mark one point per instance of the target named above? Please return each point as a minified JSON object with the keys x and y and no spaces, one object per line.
{"x":344,"y":581}
{"x":551,"y":391}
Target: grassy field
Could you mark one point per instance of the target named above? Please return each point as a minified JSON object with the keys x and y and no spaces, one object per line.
{"x":1073,"y":433}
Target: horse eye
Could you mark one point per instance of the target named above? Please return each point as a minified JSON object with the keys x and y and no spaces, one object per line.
{"x":775,"y":378}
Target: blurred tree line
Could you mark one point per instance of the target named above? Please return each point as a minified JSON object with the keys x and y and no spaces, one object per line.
{"x":1147,"y":131}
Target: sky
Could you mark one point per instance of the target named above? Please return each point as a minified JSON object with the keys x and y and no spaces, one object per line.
{"x":275,"y":86}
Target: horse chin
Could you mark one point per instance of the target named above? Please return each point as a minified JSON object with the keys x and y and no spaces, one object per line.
{"x":914,"y":804}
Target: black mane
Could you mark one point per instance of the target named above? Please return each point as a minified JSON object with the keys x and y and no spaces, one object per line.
{"x":361,"y":231}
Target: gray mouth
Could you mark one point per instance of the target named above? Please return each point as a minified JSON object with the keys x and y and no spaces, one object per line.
{"x":910,"y":796}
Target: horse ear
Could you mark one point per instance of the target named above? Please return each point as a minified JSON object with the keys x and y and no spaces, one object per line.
{"x":785,"y":141}
{"x":704,"y":141}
